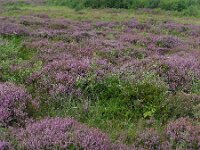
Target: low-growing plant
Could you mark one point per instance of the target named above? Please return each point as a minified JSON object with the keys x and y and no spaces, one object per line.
{"x":5,"y":145}
{"x":196,"y":87}
{"x":180,"y":105}
{"x":192,"y":11}
{"x":179,"y":134}
{"x":181,"y":73}
{"x":175,"y":5}
{"x":196,"y":111}
{"x":183,"y":134}
{"x":148,"y":139}
{"x":61,"y":133}
{"x":13,"y":60}
{"x":122,"y":97}
{"x":15,"y":102}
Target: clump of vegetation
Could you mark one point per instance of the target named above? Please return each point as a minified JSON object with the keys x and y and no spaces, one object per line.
{"x":189,"y":7}
{"x":128,"y":83}
{"x":14,"y":105}
{"x":122,"y":97}
{"x":59,"y":133}
{"x":180,"y":105}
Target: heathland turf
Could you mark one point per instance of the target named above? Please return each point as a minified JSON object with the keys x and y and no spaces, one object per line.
{"x":98,"y":14}
{"x":132,"y":74}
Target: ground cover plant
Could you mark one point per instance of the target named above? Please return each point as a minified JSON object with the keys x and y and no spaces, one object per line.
{"x":98,"y":79}
{"x":188,"y":7}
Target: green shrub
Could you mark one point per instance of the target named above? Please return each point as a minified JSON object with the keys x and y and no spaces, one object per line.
{"x":124,"y":97}
{"x":139,"y":3}
{"x":180,"y":105}
{"x":177,"y":5}
{"x":192,"y":11}
{"x":153,"y":3}
{"x":189,"y":7}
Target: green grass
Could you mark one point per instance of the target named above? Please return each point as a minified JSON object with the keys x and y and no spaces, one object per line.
{"x":13,"y":53}
{"x":99,"y":14}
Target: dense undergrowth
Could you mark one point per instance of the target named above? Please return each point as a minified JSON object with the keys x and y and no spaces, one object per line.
{"x":187,"y":7}
{"x":84,"y":83}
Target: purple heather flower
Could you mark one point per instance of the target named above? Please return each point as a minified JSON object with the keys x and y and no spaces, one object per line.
{"x":133,"y":23}
{"x":61,"y":133}
{"x":13,"y":29}
{"x":13,"y":104}
{"x":5,"y":146}
{"x":148,"y":139}
{"x":180,"y":71}
{"x":183,"y":131}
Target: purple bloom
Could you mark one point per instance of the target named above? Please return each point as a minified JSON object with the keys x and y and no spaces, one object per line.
{"x":180,"y":71}
{"x":13,"y":104}
{"x":62,"y":133}
{"x":62,"y":72}
{"x":5,"y":146}
{"x":8,"y":27}
{"x":169,"y":42}
{"x":183,"y":131}
{"x":105,"y":24}
{"x":148,"y":139}
{"x":133,"y":23}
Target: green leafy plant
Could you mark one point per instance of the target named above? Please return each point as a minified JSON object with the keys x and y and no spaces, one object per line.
{"x":140,"y":98}
{"x":187,"y":6}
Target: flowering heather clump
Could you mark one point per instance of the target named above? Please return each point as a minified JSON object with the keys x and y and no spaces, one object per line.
{"x":149,"y":139}
{"x":112,"y":44}
{"x":105,"y":24}
{"x":136,"y":66}
{"x":45,"y":46}
{"x":61,"y":72}
{"x":180,"y":71}
{"x":50,"y":33}
{"x":172,"y":26}
{"x":60,"y":24}
{"x":194,"y":31}
{"x":57,"y":28}
{"x":82,"y":26}
{"x":80,"y":35}
{"x":31,"y":20}
{"x":181,"y":132}
{"x":133,"y":23}
{"x":3,"y":2}
{"x":181,"y":105}
{"x":53,"y":133}
{"x":123,"y":147}
{"x":92,"y":139}
{"x":50,"y":51}
{"x":5,"y":146}
{"x":169,"y":42}
{"x":13,"y":104}
{"x":7,"y":28}
{"x":131,"y":38}
{"x":47,"y":134}
{"x":188,"y":29}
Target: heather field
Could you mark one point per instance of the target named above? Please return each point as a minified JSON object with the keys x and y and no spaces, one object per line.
{"x":98,"y":79}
